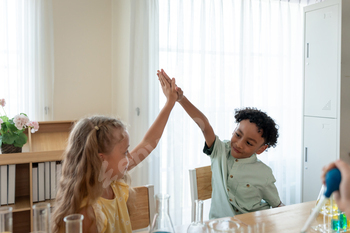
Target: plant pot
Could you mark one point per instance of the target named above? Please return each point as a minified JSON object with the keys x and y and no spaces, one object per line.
{"x":10,"y":148}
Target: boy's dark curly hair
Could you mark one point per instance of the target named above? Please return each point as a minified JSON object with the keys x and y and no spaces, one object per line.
{"x":262,"y":121}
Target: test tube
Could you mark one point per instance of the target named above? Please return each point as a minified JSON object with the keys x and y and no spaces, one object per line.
{"x":74,"y":223}
{"x":42,"y":217}
{"x":6,"y":219}
{"x":343,"y":221}
{"x":335,"y":225}
{"x":335,"y":220}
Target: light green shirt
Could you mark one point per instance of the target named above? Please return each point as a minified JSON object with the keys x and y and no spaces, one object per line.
{"x":239,"y":185}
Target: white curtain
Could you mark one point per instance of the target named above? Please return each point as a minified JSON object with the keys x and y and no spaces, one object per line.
{"x":225,"y":55}
{"x":26,"y":58}
{"x":143,"y":85}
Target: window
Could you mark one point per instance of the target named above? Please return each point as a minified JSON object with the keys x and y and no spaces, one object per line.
{"x":26,"y":57}
{"x":227,"y":55}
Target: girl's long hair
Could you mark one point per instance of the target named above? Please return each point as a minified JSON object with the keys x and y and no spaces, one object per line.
{"x":81,"y":165}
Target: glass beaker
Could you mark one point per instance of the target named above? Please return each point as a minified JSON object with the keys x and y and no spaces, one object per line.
{"x":74,"y":223}
{"x":162,"y":221}
{"x":6,"y":219}
{"x":198,"y":226}
{"x":42,"y":217}
{"x":227,"y":226}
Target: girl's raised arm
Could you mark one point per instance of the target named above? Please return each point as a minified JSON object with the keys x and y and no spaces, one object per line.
{"x":154,"y":133}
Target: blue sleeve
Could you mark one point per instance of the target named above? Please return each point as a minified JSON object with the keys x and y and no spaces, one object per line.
{"x":208,"y":150}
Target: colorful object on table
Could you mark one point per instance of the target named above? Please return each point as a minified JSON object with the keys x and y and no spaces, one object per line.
{"x":343,"y":221}
{"x":331,"y":219}
{"x":333,"y":178}
{"x":335,"y":223}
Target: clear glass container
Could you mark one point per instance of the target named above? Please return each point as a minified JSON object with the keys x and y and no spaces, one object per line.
{"x":330,"y":219}
{"x":42,"y":217}
{"x":6,"y":219}
{"x":198,"y":226}
{"x":324,"y":217}
{"x":227,"y":226}
{"x":74,"y":223}
{"x":162,"y":221}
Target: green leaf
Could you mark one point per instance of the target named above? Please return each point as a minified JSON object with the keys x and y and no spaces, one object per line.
{"x":4,"y":118}
{"x":11,"y":127}
{"x":0,"y":140}
{"x":21,"y":140}
{"x":9,"y":138}
{"x":4,"y":128}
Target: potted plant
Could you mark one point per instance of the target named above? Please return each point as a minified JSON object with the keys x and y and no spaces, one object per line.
{"x":12,"y":136}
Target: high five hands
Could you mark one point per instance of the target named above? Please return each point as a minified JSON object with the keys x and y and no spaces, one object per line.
{"x":168,"y":88}
{"x":163,"y":77}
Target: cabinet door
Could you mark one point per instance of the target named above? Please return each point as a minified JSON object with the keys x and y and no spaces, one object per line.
{"x":321,"y":61}
{"x":320,"y":148}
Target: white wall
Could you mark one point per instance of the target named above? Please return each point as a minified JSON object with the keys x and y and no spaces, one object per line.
{"x":120,"y":58}
{"x":83,"y":58}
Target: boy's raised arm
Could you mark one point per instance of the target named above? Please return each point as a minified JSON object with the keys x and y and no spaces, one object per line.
{"x":198,"y":117}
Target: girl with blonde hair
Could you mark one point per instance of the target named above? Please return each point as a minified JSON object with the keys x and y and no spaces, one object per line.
{"x":95,"y":164}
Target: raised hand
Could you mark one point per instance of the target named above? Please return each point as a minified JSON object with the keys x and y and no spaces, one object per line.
{"x":198,"y":117}
{"x":168,"y":87}
{"x":178,"y":89}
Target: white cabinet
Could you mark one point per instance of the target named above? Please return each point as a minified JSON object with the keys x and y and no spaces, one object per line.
{"x":319,"y":145}
{"x":321,"y":62}
{"x":326,"y":126}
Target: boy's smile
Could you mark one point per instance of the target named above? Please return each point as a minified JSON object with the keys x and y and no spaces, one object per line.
{"x":247,"y":140}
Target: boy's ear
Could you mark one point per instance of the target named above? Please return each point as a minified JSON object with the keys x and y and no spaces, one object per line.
{"x":261,"y":149}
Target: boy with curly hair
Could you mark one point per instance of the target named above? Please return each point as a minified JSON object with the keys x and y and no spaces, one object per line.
{"x":240,"y":182}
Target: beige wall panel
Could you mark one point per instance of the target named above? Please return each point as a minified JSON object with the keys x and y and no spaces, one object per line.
{"x":120,"y":58}
{"x":83,"y":58}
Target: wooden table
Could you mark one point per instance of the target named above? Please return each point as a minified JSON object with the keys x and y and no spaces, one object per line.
{"x":287,"y":219}
{"x":283,"y":219}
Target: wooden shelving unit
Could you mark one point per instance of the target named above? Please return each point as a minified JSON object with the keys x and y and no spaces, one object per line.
{"x":45,"y":145}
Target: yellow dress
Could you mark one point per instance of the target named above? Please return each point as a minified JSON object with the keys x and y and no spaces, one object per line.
{"x":112,"y":215}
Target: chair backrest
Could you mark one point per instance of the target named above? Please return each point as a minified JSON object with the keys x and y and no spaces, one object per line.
{"x":141,"y":206}
{"x":200,"y":183}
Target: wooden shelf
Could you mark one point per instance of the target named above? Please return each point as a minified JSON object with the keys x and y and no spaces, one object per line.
{"x":22,"y":204}
{"x":45,"y":145}
{"x":52,"y":202}
{"x":30,"y":157}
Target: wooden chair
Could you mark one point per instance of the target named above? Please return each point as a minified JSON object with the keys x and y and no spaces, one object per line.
{"x":141,"y":206}
{"x":200,"y":183}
